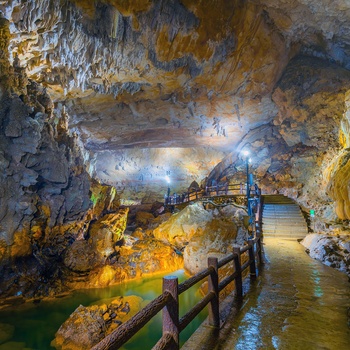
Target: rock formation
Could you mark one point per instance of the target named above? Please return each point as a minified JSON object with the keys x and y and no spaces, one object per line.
{"x":201,"y":233}
{"x":127,"y":92}
{"x":57,"y":225}
{"x":86,"y":326}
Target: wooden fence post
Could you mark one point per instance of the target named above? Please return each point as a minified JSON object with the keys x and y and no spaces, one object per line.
{"x":238,"y":280}
{"x":213,"y":286}
{"x":171,"y":311}
{"x":252,"y":266}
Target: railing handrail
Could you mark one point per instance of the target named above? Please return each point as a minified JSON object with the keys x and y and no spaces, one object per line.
{"x":126,"y":330}
{"x":210,"y":191}
{"x":168,"y":300}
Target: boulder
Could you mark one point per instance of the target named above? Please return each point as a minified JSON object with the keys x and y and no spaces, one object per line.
{"x":80,"y":257}
{"x":144,"y":219}
{"x":106,"y":232}
{"x":332,"y":250}
{"x":182,"y":226}
{"x":216,"y":240}
{"x":86,"y":326}
{"x":149,"y":256}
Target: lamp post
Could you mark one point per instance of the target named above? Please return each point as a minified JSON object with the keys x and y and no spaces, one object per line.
{"x":246,"y":156}
{"x":167,"y":178}
{"x":247,"y":161}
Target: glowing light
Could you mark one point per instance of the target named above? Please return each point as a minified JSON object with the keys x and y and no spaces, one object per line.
{"x":245,"y":153}
{"x":167,"y":178}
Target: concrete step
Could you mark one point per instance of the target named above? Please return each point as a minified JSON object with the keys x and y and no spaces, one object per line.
{"x":283,"y":219}
{"x":282,"y":205}
{"x":285,"y":237}
{"x":279,"y":208}
{"x":277,"y":199}
{"x":283,"y":227}
{"x":290,"y":215}
{"x":284,"y":213}
{"x":286,"y":232}
{"x":292,"y":210}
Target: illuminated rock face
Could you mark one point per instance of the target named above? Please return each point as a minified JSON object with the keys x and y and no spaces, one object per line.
{"x":201,"y":233}
{"x":141,"y":79}
{"x":303,"y":153}
{"x":153,"y":88}
{"x":86,"y":326}
{"x":165,"y":74}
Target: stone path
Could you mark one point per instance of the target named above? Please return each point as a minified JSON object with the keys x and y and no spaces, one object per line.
{"x":296,"y":303}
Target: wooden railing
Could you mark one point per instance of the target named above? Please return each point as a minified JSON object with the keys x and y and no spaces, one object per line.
{"x":210,"y":191}
{"x":168,"y":301}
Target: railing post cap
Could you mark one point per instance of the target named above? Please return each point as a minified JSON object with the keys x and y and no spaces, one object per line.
{"x":170,"y":277}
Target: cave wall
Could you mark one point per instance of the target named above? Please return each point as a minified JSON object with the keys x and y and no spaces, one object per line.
{"x":140,"y":174}
{"x":304,"y":151}
{"x":47,"y":198}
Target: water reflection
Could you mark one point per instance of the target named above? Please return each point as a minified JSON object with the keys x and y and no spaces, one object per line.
{"x":36,"y":324}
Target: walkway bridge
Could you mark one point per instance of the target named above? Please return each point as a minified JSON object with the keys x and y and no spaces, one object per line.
{"x":238,"y":190}
{"x":289,"y":301}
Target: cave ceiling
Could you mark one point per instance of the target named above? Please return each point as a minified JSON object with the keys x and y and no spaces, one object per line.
{"x":155,"y":86}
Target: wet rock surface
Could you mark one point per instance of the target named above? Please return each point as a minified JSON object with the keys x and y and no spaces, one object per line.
{"x":333,"y":250}
{"x":201,"y":233}
{"x":86,"y":326}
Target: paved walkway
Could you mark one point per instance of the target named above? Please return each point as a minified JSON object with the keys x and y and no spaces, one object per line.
{"x":296,"y":303}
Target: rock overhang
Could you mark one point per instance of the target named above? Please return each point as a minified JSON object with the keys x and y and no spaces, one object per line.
{"x":163,"y":75}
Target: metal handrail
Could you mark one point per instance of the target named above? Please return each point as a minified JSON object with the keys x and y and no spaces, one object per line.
{"x":210,"y":191}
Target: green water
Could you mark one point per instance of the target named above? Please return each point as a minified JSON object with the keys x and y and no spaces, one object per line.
{"x":36,"y":324}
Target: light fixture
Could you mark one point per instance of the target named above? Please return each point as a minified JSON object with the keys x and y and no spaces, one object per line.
{"x":167,"y":178}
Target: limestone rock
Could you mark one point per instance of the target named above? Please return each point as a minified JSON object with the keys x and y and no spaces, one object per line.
{"x":106,"y":232}
{"x":80,"y":257}
{"x":149,"y":256}
{"x":332,"y":250}
{"x":103,"y":276}
{"x":339,"y":184}
{"x":44,"y":189}
{"x":144,"y":219}
{"x":104,"y":199}
{"x":216,"y":240}
{"x":181,"y":227}
{"x":86,"y":326}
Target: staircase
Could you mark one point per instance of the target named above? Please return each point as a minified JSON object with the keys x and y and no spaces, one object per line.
{"x":282,"y":218}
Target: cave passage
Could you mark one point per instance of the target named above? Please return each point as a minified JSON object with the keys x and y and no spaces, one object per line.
{"x":296,"y":303}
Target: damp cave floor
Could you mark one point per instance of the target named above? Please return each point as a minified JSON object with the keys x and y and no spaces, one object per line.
{"x":295,"y":303}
